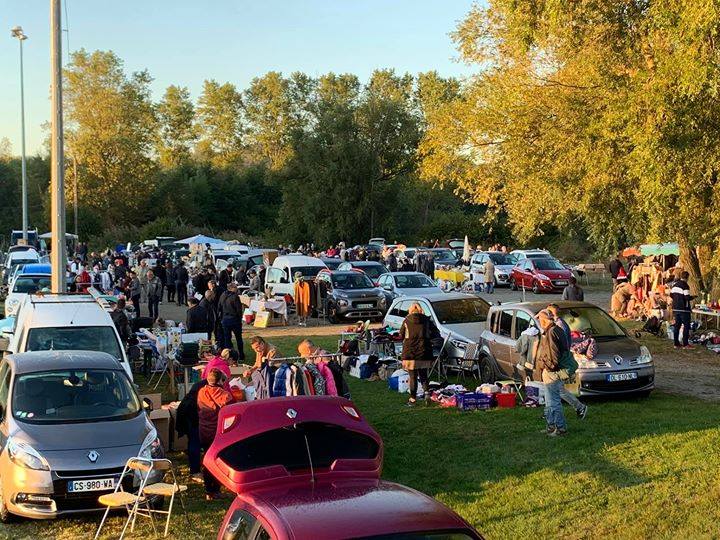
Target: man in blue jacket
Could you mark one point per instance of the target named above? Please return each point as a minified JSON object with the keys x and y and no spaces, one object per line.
{"x":681,"y":298}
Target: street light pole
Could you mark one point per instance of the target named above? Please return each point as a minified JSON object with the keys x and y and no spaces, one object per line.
{"x":58,"y":258}
{"x":18,"y":33}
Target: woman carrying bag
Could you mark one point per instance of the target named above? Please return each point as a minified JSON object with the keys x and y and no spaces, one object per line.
{"x":418,"y":332}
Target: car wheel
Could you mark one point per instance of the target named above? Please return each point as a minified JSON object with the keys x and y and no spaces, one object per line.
{"x":5,"y":515}
{"x":535,"y":288}
{"x":487,"y":370}
{"x":332,"y":315}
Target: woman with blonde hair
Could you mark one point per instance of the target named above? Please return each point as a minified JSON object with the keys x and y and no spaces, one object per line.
{"x":417,"y":332}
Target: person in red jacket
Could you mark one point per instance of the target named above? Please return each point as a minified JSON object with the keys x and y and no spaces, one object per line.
{"x":83,"y":280}
{"x":211,"y":398}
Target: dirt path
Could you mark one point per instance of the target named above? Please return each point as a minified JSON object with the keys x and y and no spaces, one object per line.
{"x":691,"y":373}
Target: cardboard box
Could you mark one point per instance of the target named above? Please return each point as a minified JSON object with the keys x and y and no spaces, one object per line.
{"x":161,"y":420}
{"x":177,"y":444}
{"x":155,"y":399}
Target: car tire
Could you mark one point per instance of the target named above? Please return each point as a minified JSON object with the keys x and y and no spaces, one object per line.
{"x":535,"y":287}
{"x":487,"y":370}
{"x":5,"y":515}
{"x":332,"y":315}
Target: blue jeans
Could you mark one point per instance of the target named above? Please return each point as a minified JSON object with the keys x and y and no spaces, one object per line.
{"x":553,"y":402}
{"x":571,"y":399}
{"x":490,"y":287}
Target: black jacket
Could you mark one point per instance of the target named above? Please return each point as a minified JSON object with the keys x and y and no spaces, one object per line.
{"x":186,"y":417}
{"x":122,"y":323}
{"x":680,"y":294}
{"x":181,"y":275}
{"x":230,"y":305}
{"x":615,"y":266}
{"x":418,"y":332}
{"x":197,"y":319}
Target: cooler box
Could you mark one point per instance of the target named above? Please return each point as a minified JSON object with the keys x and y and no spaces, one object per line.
{"x":399,"y":381}
{"x":506,"y":401}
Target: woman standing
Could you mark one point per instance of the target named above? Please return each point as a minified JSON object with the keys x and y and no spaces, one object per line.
{"x":417,"y":332}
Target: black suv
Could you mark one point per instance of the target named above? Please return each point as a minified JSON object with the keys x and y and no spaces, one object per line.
{"x":351,"y":295}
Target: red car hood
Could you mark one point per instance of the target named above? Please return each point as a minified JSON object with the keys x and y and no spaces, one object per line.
{"x":290,"y":441}
{"x":556,"y":274}
{"x":351,"y":509}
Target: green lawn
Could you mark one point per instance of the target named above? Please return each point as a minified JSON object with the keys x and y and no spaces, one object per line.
{"x":632,"y":469}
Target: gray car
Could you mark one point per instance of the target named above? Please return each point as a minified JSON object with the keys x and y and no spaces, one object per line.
{"x":407,"y":284}
{"x":459,"y":317}
{"x":351,"y":295}
{"x":621,"y":366}
{"x":69,"y":422}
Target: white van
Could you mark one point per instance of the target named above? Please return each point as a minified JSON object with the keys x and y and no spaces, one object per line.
{"x":66,"y":322}
{"x":279,"y":277}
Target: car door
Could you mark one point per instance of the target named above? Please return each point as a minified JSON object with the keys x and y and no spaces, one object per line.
{"x":523,"y":320}
{"x":397,"y":314}
{"x":525,"y":272}
{"x":503,"y":343}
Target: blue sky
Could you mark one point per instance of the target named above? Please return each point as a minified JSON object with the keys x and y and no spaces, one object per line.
{"x":185,"y":42}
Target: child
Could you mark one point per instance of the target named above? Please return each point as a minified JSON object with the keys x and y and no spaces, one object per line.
{"x":211,"y":398}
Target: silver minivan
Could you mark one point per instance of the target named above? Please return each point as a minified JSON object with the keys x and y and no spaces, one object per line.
{"x":69,"y":420}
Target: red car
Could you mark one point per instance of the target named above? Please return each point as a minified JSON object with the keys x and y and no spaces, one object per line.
{"x":540,"y":275}
{"x":309,"y":468}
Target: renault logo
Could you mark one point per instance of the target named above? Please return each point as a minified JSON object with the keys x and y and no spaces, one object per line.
{"x":93,"y":456}
{"x":291,"y":413}
{"x":618,"y":359}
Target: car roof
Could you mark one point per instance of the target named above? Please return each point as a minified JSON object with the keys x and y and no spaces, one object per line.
{"x":358,"y":508}
{"x":36,"y":268}
{"x":32,"y":362}
{"x":50,"y":310}
{"x":343,"y":273}
{"x":298,"y":260}
{"x":537,"y":307}
{"x":405,"y":274}
{"x":366,"y":263}
{"x":437,"y":297}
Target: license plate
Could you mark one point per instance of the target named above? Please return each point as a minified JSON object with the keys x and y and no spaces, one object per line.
{"x":615,"y":377}
{"x":364,"y":305}
{"x":561,"y":282}
{"x":96,"y":484}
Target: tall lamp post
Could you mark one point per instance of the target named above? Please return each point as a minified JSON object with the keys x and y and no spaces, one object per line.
{"x":18,"y":33}
{"x":58,"y":260}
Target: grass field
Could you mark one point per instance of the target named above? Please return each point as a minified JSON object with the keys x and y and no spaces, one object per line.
{"x":632,"y":469}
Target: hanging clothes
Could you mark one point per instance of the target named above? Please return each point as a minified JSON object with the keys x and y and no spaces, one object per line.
{"x":324,"y":370}
{"x":340,"y":384}
{"x":262,"y":380}
{"x":278,"y":387}
{"x":318,"y":380}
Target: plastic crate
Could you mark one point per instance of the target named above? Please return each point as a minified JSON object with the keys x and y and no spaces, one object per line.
{"x":506,"y":401}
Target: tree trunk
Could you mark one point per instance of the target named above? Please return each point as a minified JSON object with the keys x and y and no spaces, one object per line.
{"x":691,"y":262}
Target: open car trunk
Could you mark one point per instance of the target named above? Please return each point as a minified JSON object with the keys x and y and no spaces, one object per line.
{"x":302,"y":439}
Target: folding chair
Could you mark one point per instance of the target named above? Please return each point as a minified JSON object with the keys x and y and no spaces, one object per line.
{"x":124,"y":499}
{"x":515,"y":384}
{"x":163,"y":489}
{"x":471,"y":361}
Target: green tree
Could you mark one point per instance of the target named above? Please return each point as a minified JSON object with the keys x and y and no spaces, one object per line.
{"x":177,"y":133}
{"x":219,"y":117}
{"x":110,"y":129}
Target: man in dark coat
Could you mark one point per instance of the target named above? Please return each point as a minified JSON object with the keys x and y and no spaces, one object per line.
{"x":418,"y":331}
{"x":197,"y":318}
{"x":181,"y":282}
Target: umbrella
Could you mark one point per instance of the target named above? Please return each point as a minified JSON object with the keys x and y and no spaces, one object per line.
{"x":668,"y":248}
{"x":466,"y":250}
{"x":630,"y":252}
{"x":199,"y":239}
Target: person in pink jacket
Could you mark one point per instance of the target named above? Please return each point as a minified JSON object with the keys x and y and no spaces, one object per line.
{"x":217,"y":362}
{"x":314,"y":354}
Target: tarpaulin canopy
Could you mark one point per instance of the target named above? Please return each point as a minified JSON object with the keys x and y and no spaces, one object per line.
{"x":48,"y":235}
{"x":631,"y":252}
{"x":668,"y":248}
{"x":199,"y":239}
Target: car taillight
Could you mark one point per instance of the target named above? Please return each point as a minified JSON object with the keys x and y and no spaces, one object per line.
{"x":351,"y":411}
{"x":229,"y":422}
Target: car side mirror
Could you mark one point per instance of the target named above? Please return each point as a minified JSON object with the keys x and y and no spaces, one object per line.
{"x":387,"y":287}
{"x":147,"y":405}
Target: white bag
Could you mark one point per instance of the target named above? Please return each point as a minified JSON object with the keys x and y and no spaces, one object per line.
{"x":535,"y":390}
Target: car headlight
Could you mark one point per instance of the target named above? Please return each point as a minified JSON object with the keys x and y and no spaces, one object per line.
{"x":21,"y":453}
{"x":151,"y":446}
{"x":587,"y":364}
{"x":459,"y":343}
{"x":342,"y":303}
{"x":645,"y":356}
{"x":543,"y":277}
{"x":382,"y":301}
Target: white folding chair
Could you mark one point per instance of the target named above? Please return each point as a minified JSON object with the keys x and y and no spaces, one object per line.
{"x":163,"y":489}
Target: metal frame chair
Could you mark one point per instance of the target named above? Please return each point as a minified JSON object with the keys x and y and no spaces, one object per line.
{"x":163,"y":489}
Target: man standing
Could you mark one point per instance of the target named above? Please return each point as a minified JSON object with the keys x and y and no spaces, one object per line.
{"x":170,"y":281}
{"x":181,"y":282}
{"x":551,"y":348}
{"x":615,"y":267}
{"x":681,"y":298}
{"x":231,"y":318}
{"x":196,"y":320}
{"x":154,"y":291}
{"x":567,"y":396}
{"x":573,"y":291}
{"x":489,"y":276}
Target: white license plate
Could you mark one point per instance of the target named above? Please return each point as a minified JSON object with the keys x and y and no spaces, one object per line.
{"x":364,"y":305}
{"x":96,"y":484}
{"x":615,"y":377}
{"x":561,"y":282}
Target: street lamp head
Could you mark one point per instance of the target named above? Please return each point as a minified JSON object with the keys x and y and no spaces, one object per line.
{"x":17,"y":32}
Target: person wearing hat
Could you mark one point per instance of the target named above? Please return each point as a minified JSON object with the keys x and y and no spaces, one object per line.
{"x":552,"y":346}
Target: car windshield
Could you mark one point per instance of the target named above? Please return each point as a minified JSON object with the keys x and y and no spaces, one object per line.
{"x":459,"y":311}
{"x":373,"y":271}
{"x":29,"y":285}
{"x":74,"y":338}
{"x":538,"y":255}
{"x":502,"y":258}
{"x":419,"y":281}
{"x":356,"y":280}
{"x":18,"y":262}
{"x":74,"y":396}
{"x":593,"y":320}
{"x":444,"y":255}
{"x":306,"y":271}
{"x":548,"y":264}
